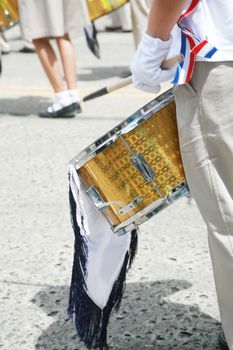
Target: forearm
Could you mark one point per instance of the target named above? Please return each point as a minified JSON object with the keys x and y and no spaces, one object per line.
{"x":163,"y":16}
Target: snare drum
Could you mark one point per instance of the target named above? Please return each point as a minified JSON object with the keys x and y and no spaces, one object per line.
{"x":9,"y":14}
{"x":99,"y":8}
{"x":135,"y":170}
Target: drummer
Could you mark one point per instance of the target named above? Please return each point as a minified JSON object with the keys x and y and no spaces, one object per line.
{"x":205,"y":120}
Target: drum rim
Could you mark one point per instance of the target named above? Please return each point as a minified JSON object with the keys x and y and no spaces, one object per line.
{"x":181,"y":190}
{"x":110,"y":137}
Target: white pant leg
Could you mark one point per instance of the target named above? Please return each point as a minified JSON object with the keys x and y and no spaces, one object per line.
{"x":24,"y":28}
{"x":122,"y":17}
{"x":205,"y":123}
{"x":139,"y":13}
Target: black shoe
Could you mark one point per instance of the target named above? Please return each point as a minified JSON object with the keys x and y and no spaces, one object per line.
{"x":222,"y":341}
{"x":26,"y":49}
{"x":112,"y":28}
{"x":125,"y":74}
{"x":65,"y":112}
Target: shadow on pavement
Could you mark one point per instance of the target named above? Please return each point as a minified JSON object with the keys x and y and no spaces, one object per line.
{"x":23,"y":106}
{"x":146,"y":320}
{"x":32,"y":105}
{"x":98,"y":73}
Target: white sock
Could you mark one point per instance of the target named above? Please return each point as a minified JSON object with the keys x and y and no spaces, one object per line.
{"x":60,"y":100}
{"x":74,"y":95}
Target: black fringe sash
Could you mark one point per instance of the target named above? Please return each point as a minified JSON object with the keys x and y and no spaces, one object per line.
{"x":91,"y":321}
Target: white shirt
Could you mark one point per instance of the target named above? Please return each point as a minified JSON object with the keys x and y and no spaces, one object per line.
{"x":213,"y":20}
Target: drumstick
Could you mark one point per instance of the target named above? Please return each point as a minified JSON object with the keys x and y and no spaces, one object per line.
{"x":127,"y":81}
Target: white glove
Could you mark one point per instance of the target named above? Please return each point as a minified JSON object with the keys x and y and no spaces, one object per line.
{"x":146,"y":68}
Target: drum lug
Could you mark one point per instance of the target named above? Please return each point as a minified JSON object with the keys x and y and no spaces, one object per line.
{"x":130,"y":206}
{"x":98,"y":201}
{"x":95,"y":197}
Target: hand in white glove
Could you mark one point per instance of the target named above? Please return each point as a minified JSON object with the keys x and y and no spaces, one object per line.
{"x":146,"y":68}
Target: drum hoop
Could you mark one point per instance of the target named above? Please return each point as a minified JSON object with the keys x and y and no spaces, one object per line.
{"x":134,"y":120}
{"x":148,"y":212}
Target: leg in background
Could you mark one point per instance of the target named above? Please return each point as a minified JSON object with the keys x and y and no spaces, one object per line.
{"x":67,"y":53}
{"x":139,"y":15}
{"x":50,"y":63}
{"x":65,"y":100}
{"x":68,"y":58}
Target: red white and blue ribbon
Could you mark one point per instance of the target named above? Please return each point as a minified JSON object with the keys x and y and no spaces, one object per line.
{"x":191,"y":46}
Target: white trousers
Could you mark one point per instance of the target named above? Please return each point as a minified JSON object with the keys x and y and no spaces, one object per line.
{"x":205,"y":123}
{"x":122,"y":17}
{"x":139,"y":14}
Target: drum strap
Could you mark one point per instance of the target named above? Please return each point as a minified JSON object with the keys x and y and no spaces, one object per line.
{"x":191,"y":46}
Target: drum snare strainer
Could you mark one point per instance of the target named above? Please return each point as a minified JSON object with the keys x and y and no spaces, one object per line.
{"x":135,"y":170}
